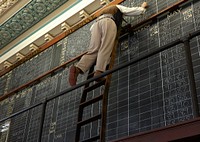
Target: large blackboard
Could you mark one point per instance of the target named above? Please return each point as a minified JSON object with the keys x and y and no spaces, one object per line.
{"x":152,"y":93}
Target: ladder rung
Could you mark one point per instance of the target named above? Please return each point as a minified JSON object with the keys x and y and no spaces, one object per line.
{"x":91,"y":139}
{"x":91,"y":101}
{"x":98,"y":84}
{"x":81,"y":123}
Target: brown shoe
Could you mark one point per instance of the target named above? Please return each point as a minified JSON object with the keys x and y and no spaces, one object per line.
{"x":73,"y":74}
{"x":97,"y":72}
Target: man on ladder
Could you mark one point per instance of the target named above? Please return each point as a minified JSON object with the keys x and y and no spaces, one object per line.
{"x":103,"y":34}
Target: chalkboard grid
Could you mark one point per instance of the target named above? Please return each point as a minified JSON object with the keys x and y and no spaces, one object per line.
{"x":152,"y":93}
{"x":158,"y":91}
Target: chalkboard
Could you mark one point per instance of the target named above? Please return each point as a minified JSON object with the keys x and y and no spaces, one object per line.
{"x":82,"y":38}
{"x":3,"y":81}
{"x":152,"y":93}
{"x":18,"y":124}
{"x":31,"y":69}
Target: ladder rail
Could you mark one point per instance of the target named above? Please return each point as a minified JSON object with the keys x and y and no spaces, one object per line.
{"x":80,"y":109}
{"x":105,"y":96}
{"x":104,"y":99}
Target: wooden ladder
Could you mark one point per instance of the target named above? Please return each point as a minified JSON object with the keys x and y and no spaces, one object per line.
{"x":103,"y":97}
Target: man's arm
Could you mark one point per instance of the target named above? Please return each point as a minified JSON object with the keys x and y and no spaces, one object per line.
{"x":132,"y":11}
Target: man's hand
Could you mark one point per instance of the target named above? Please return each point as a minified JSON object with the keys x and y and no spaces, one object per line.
{"x":144,"y":5}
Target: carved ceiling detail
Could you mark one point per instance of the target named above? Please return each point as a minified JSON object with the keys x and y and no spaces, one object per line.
{"x":28,"y":16}
{"x":5,"y":5}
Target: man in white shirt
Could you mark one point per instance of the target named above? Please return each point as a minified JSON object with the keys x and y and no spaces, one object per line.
{"x":103,"y":34}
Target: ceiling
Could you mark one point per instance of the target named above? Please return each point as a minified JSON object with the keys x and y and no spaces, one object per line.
{"x":28,"y":24}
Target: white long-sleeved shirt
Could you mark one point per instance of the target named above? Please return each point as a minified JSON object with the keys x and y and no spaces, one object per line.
{"x":128,"y":11}
{"x":131,"y":11}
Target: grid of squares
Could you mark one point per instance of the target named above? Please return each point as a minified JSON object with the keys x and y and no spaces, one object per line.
{"x":150,"y":94}
{"x":162,"y":93}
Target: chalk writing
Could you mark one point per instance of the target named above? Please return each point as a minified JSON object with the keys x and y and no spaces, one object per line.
{"x":175,"y":81}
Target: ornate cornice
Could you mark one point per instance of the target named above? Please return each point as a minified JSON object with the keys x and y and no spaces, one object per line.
{"x":5,"y":5}
{"x":25,"y":18}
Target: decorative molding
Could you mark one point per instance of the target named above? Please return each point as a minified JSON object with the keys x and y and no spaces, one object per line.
{"x":83,"y":14}
{"x":19,"y":56}
{"x":5,"y":5}
{"x":65,"y":26}
{"x":7,"y":64}
{"x":104,"y":2}
{"x":49,"y":27}
{"x":33,"y":47}
{"x":48,"y":37}
{"x":27,"y":17}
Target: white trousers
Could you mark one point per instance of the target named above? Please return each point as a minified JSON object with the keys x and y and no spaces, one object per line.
{"x":103,"y":34}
